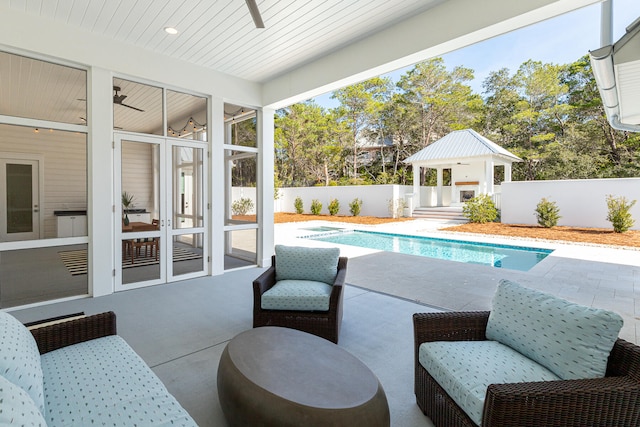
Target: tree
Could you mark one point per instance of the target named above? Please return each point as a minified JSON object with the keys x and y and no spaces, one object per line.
{"x":440,"y":100}
{"x":361,"y":105}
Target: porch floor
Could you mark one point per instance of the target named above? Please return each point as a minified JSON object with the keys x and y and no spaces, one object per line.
{"x":180,"y":329}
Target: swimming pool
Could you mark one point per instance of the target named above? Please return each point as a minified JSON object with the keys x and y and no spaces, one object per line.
{"x":500,"y":256}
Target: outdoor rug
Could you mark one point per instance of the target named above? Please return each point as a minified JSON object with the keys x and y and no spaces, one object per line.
{"x":76,"y":261}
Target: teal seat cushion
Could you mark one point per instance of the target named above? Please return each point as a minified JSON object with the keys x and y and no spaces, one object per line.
{"x":572,"y":340}
{"x":20,"y":358}
{"x":300,"y":263}
{"x":17,"y":408}
{"x":464,"y":369}
{"x":104,"y":382}
{"x":297,"y":295}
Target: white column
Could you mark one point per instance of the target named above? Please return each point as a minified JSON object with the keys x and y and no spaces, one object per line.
{"x":265,"y":186}
{"x":416,"y":186}
{"x":507,"y":172}
{"x":100,"y":183}
{"x":439,"y":186}
{"x":488,"y":176}
{"x":217,"y":169}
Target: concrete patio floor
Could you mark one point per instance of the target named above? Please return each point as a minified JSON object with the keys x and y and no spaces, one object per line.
{"x":180,"y":329}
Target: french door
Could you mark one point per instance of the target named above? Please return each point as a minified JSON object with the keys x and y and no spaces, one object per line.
{"x":19,"y":199}
{"x":161,"y":235}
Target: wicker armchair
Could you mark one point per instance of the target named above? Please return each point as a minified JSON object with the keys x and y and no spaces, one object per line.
{"x":610,"y":401}
{"x":325,"y":324}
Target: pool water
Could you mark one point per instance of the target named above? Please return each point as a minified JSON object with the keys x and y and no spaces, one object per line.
{"x":323,"y":228}
{"x":500,"y":256}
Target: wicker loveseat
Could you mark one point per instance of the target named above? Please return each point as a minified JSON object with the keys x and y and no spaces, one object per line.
{"x":610,"y":400}
{"x":79,"y":373}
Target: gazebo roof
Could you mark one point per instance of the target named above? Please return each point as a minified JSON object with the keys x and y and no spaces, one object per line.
{"x":461,"y":144}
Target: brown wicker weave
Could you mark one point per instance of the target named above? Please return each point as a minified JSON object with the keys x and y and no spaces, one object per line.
{"x":62,"y":334}
{"x":610,"y":401}
{"x":325,"y":324}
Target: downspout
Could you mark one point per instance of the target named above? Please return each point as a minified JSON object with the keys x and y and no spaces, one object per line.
{"x":602,"y":64}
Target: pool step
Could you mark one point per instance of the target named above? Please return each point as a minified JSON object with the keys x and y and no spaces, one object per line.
{"x":449,"y":213}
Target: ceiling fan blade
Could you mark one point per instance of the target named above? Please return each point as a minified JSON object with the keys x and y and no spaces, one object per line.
{"x":130,"y":106}
{"x":255,"y":13}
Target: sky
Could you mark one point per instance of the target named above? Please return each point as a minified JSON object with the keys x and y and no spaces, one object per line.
{"x":560,"y":40}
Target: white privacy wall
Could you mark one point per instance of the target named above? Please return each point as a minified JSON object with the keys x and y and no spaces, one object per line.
{"x":582,"y":203}
{"x":375,"y":198}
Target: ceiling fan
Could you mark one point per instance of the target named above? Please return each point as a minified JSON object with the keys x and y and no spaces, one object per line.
{"x":255,"y":13}
{"x":118,"y":99}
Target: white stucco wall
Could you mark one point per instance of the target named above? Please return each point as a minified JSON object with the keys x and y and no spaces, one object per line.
{"x":375,"y":198}
{"x":582,"y":203}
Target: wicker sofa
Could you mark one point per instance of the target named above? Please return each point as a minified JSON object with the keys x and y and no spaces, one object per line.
{"x":610,"y":400}
{"x":79,"y":373}
{"x":323,"y":322}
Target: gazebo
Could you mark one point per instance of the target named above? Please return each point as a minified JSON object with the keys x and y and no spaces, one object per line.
{"x":470,"y":158}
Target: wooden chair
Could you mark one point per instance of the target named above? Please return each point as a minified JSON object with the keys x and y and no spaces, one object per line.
{"x":149,"y":244}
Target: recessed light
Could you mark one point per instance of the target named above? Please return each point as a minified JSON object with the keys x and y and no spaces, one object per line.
{"x":171,"y":30}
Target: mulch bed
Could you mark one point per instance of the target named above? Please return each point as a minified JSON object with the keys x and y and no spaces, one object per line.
{"x":601,"y":236}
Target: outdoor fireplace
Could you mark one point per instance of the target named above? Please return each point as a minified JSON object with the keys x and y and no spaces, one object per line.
{"x":466,"y":195}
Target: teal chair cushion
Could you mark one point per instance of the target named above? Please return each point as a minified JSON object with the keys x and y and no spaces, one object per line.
{"x":20,"y":358}
{"x":464,"y":369}
{"x":297,"y":295}
{"x":17,"y":408}
{"x":300,"y":263}
{"x":572,"y":340}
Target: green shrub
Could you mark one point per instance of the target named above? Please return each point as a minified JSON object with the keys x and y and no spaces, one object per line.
{"x":334,"y":207}
{"x":547,"y":213}
{"x":298,"y":205}
{"x":316,"y":207}
{"x":354,"y":206}
{"x":619,"y":213}
{"x":242,"y":206}
{"x":480,"y":209}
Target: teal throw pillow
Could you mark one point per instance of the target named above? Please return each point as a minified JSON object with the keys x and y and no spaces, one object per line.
{"x":571,"y":340}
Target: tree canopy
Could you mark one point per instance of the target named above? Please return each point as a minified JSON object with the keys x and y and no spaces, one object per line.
{"x":549,"y":115}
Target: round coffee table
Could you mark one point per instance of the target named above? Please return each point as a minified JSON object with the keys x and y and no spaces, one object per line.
{"x":272,"y":376}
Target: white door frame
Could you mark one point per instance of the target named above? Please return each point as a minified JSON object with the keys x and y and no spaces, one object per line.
{"x":164,"y":191}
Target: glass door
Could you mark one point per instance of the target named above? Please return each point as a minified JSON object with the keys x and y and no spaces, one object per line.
{"x":19,"y":199}
{"x":140,"y":223}
{"x":161,"y":221}
{"x":186,"y":227}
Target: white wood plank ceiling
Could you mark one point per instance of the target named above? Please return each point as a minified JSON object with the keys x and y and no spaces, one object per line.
{"x":221,"y":34}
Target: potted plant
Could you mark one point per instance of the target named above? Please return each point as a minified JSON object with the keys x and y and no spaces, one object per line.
{"x":127,"y":200}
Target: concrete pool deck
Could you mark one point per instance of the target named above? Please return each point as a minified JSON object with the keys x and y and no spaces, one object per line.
{"x":592,"y":275}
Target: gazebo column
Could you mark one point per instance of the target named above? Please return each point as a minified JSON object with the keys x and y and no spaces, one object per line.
{"x":416,"y":186}
{"x":488,"y":176}
{"x":439,"y":186}
{"x":507,"y":172}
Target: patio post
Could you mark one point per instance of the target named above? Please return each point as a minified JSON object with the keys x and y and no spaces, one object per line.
{"x":507,"y":172}
{"x":439,"y":186}
{"x":265,"y":186}
{"x":488,"y":176}
{"x":416,"y":186}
